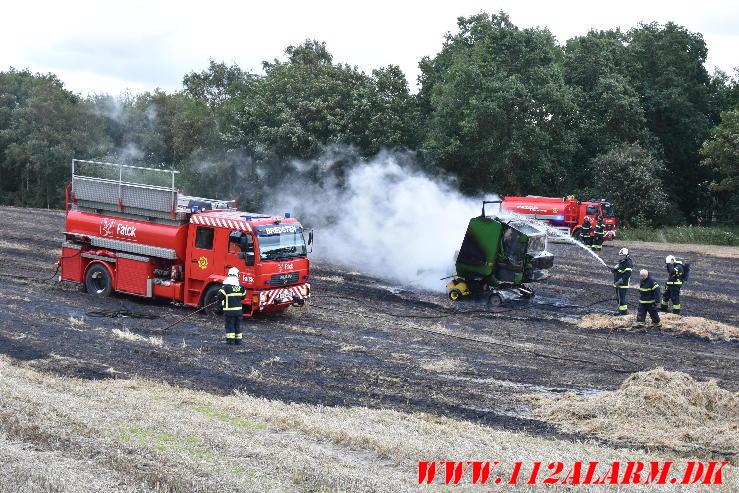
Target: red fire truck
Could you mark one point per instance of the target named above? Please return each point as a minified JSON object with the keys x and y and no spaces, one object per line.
{"x":129,"y":230}
{"x":564,"y":214}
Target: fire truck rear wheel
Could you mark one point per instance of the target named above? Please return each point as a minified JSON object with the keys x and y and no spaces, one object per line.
{"x":209,"y":297}
{"x":98,"y":281}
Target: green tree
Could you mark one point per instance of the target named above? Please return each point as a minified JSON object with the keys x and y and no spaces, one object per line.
{"x":42,"y":127}
{"x":630,"y":177}
{"x":666,"y":67}
{"x":721,"y":152}
{"x":609,"y":110}
{"x":307,"y":102}
{"x":219,"y":84}
{"x":496,"y":110}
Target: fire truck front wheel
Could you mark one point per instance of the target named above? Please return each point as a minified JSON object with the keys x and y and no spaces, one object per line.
{"x":209,"y":297}
{"x":98,"y":280}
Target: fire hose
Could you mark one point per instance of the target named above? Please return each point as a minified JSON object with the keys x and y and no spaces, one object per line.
{"x":56,"y":271}
{"x":188,"y":316}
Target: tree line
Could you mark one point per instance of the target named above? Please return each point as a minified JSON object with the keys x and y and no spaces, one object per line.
{"x":630,"y":116}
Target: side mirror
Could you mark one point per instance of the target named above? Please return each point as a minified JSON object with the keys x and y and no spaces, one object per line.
{"x":309,"y":246}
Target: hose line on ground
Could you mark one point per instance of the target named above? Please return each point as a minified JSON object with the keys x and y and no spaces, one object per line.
{"x":56,"y":271}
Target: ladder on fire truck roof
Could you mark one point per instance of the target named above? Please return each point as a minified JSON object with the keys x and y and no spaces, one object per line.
{"x":132,"y":192}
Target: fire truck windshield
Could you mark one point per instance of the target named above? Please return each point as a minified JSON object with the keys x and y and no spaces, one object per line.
{"x":280,"y":242}
{"x":607,"y":210}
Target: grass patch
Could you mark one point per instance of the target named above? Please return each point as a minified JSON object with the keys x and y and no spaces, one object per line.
{"x":58,"y":433}
{"x":166,"y":442}
{"x":703,"y":235}
{"x":221,"y":416}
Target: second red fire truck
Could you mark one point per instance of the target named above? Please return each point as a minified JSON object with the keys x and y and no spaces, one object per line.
{"x":129,"y":230}
{"x":564,"y":214}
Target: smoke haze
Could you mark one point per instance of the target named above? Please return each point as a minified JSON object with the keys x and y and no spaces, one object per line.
{"x":385,"y":218}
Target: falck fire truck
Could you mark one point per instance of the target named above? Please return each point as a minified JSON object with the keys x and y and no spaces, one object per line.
{"x":129,"y":230}
{"x":564,"y":214}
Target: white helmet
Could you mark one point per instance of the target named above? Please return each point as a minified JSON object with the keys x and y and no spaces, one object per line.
{"x":669,"y":259}
{"x":233,"y":271}
{"x":623,"y":251}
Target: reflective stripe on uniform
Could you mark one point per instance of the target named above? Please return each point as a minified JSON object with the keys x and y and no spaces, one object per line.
{"x":623,"y":307}
{"x":676,"y":282}
{"x":227,"y":295}
{"x":675,"y":307}
{"x":648,"y":301}
{"x":230,"y":335}
{"x":227,"y":303}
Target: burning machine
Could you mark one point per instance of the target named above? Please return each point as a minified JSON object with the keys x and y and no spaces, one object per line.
{"x":497,"y":258}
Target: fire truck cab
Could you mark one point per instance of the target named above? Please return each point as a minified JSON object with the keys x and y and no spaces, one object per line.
{"x":129,"y":233}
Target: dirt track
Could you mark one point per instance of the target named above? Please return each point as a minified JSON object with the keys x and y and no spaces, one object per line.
{"x":363,"y":341}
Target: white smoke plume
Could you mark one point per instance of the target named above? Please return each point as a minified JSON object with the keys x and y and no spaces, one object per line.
{"x":386,"y":219}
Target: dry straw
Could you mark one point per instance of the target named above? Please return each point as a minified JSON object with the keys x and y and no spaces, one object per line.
{"x":675,"y":324}
{"x":653,"y":408}
{"x":62,"y":434}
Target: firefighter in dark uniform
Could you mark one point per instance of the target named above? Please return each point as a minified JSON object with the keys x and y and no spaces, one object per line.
{"x":231,"y":295}
{"x":675,"y":274}
{"x":621,"y":276}
{"x":648,"y":298}
{"x":585,"y":231}
{"x":598,"y":234}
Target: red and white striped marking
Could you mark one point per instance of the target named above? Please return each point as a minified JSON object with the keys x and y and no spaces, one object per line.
{"x":284,"y":295}
{"x":219,"y":222}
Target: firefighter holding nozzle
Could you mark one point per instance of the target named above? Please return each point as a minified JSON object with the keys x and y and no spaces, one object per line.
{"x":231,"y":295}
{"x":621,"y":276}
{"x":648,"y":299}
{"x":599,"y":234}
{"x":675,"y":277}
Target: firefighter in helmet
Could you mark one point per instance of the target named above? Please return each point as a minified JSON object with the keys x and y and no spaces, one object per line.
{"x":585,"y":231}
{"x":231,"y":295}
{"x":648,"y":298}
{"x":621,"y":276}
{"x":598,"y":234}
{"x":675,"y":275}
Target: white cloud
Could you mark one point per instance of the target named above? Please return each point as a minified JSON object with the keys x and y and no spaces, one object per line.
{"x":102,"y":45}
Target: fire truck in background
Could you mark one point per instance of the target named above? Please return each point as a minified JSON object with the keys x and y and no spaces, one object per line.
{"x":128,"y":229}
{"x":564,"y":214}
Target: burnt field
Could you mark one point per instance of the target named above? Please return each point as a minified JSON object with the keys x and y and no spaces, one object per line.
{"x":364,"y":341}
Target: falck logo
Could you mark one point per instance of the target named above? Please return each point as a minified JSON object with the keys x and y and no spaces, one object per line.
{"x":106,"y":227}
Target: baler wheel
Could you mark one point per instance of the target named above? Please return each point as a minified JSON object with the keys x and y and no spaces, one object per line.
{"x":455,"y":294}
{"x":494,"y":301}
